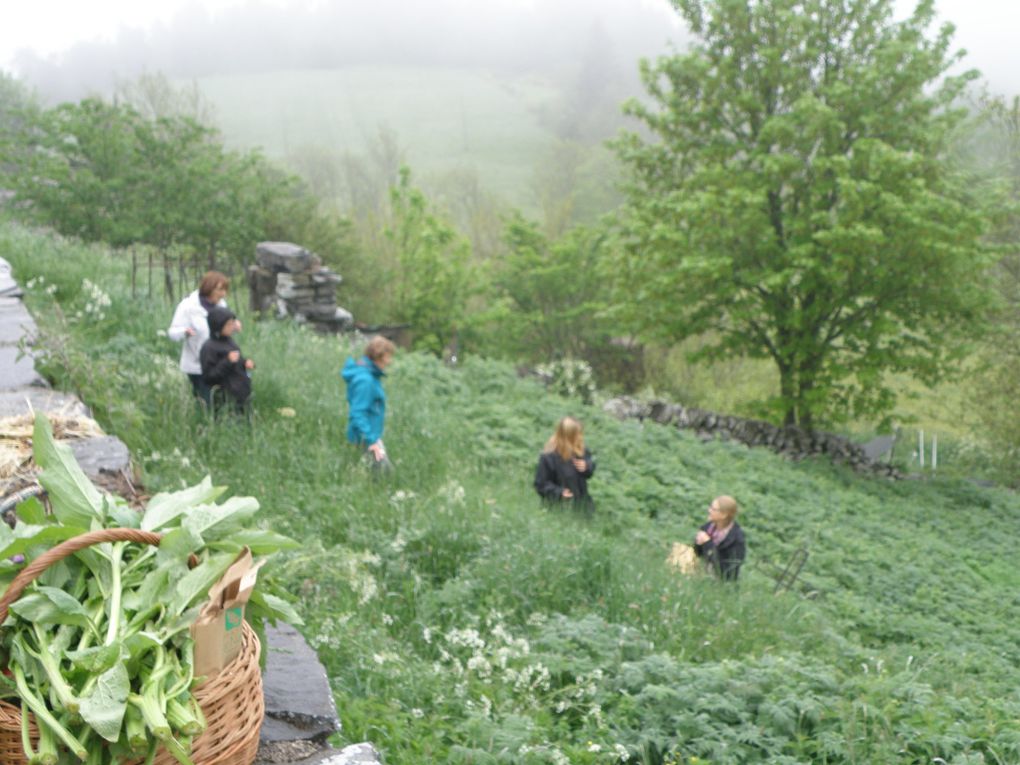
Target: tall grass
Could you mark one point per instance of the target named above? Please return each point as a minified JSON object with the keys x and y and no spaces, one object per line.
{"x":460,"y":621}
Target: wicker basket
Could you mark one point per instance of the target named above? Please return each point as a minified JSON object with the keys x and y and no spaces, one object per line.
{"x":231,"y":701}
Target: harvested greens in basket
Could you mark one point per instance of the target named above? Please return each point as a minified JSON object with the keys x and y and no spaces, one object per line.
{"x":97,"y":648}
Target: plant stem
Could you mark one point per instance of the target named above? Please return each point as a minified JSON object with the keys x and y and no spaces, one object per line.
{"x":42,"y":714}
{"x":115,"y":596}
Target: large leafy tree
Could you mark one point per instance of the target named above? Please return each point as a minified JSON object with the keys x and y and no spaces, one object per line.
{"x":794,"y":198}
{"x":433,"y":279}
{"x":550,"y":295}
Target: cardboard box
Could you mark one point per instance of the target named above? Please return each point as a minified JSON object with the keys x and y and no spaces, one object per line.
{"x":217,"y":631}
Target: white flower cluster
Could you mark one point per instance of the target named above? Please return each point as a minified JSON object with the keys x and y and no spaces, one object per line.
{"x":174,"y":457}
{"x":569,"y":377}
{"x":40,"y":282}
{"x":96,"y":302}
{"x":452,"y":493}
{"x":330,"y":631}
{"x":400,"y":497}
{"x":359,"y":578}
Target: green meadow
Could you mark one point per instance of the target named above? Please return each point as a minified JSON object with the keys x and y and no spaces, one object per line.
{"x":461,"y":622}
{"x":444,"y":119}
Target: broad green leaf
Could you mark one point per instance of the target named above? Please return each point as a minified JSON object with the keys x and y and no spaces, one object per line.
{"x":97,"y":658}
{"x":97,"y":559}
{"x":48,"y":605}
{"x":215,"y":521}
{"x":26,"y":536}
{"x":164,"y":509}
{"x":272,"y":607}
{"x":141,"y":642}
{"x":194,"y":586}
{"x":122,"y":514}
{"x":75,"y":501}
{"x":31,"y":511}
{"x":178,"y":544}
{"x":103,"y":708}
{"x":261,"y":541}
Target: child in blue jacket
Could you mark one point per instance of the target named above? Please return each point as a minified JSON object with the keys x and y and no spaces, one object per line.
{"x":366,"y":401}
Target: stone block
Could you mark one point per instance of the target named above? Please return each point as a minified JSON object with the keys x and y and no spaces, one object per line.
{"x":23,"y":400}
{"x":106,"y":454}
{"x":285,"y":257}
{"x":15,"y":321}
{"x":17,"y":372}
{"x":299,"y":701}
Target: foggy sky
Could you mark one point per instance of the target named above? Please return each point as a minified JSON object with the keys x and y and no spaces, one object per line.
{"x":512,"y":35}
{"x":68,"y":48}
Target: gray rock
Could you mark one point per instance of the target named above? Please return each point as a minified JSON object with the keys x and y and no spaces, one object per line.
{"x":17,"y":372}
{"x":23,"y":400}
{"x":299,"y":701}
{"x":8,"y":287}
{"x":15,"y":321}
{"x":284,"y":256}
{"x":105,"y":454}
{"x":355,"y":754}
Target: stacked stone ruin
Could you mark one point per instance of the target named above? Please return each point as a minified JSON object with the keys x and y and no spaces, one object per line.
{"x":289,"y":280}
{"x":792,"y":442}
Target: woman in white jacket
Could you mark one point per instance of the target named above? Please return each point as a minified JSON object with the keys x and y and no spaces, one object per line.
{"x":190,"y":326}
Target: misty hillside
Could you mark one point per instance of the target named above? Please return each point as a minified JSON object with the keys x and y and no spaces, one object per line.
{"x":468,"y":95}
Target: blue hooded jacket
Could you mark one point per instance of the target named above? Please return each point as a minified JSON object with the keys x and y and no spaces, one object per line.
{"x":366,"y":401}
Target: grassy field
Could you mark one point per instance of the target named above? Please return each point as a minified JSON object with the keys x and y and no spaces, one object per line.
{"x":445,"y":119}
{"x":461,"y":622}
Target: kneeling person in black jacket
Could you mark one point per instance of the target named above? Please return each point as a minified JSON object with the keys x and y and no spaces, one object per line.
{"x":720,"y":542}
{"x":223,"y":366}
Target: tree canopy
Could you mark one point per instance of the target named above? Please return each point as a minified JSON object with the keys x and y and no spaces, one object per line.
{"x":794,"y":197}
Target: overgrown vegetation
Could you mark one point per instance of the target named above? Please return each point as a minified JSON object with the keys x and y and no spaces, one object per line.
{"x":460,"y":622}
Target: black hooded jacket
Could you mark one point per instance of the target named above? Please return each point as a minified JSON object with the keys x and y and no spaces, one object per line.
{"x":554,"y":474}
{"x":217,"y":368}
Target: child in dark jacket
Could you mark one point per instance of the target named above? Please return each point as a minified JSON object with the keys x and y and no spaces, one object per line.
{"x":223,"y":366}
{"x":564,"y":467}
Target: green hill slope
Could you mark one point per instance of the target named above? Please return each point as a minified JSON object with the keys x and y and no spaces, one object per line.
{"x":445,"y":119}
{"x":461,"y":622}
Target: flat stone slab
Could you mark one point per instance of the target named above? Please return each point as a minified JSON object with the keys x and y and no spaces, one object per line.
{"x":15,"y":321}
{"x":285,"y":256}
{"x":105,"y":454}
{"x":355,"y":754}
{"x":8,"y":287}
{"x":17,"y":372}
{"x":24,"y":400}
{"x":299,"y":701}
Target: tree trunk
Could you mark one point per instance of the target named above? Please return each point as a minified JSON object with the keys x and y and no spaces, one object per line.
{"x":788,"y":392}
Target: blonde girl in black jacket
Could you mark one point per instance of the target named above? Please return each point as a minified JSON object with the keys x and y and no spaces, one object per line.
{"x":564,"y":468}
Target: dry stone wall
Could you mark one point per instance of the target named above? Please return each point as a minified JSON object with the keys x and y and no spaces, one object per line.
{"x":291,"y":281}
{"x":792,"y":442}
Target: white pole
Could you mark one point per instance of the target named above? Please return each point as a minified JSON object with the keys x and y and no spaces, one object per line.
{"x":934,"y":451}
{"x":920,"y":446}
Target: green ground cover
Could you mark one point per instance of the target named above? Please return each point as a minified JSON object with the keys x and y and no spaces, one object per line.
{"x":461,"y":622}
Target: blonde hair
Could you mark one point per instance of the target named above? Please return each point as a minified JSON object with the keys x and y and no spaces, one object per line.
{"x":567,"y":440}
{"x":726,"y":505}
{"x":378,"y":347}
